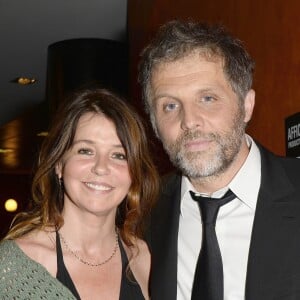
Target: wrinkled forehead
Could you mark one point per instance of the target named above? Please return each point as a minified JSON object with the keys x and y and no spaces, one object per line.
{"x":206,"y":54}
{"x":197,"y":56}
{"x":210,"y":53}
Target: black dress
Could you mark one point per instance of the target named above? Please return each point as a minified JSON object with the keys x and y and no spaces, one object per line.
{"x":130,"y":289}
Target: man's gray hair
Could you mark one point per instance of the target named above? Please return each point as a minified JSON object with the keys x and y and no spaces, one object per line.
{"x":177,"y":39}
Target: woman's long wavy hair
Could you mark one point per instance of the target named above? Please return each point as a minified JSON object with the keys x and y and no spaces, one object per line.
{"x":47,"y":194}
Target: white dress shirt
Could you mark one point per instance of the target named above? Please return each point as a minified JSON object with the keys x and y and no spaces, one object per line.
{"x":233,"y":229}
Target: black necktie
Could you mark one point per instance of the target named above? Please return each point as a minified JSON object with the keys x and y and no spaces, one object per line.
{"x":208,"y":279}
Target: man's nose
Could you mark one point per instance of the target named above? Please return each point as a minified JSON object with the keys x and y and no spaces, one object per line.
{"x":190,"y":118}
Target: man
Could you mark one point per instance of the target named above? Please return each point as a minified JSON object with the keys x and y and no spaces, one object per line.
{"x":196,"y":82}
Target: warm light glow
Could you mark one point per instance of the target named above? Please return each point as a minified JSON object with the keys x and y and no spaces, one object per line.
{"x":42,"y":133}
{"x":6,"y":150}
{"x":11,"y":205}
{"x":11,"y":142}
{"x":25,"y":80}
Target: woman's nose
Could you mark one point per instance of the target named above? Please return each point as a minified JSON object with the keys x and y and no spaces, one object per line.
{"x":100,"y":166}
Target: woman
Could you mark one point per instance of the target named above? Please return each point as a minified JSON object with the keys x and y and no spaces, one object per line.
{"x":94,"y":186}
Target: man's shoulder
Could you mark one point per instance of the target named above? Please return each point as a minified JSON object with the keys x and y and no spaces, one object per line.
{"x":292,"y":168}
{"x":290,"y":162}
{"x":170,"y":181}
{"x":280,"y":165}
{"x":169,"y":191}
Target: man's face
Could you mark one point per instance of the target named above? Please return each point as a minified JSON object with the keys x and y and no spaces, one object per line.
{"x":198,"y":117}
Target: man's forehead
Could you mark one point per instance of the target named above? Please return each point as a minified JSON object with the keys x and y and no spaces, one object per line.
{"x":203,"y":54}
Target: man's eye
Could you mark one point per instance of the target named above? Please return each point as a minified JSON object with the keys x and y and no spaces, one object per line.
{"x":85,"y":151}
{"x":208,"y":98}
{"x":120,"y":156}
{"x":170,"y":106}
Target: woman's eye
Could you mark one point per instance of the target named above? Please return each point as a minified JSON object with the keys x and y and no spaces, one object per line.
{"x":85,"y":151}
{"x":120,"y":156}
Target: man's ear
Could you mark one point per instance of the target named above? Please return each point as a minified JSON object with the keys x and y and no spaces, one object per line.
{"x":249,"y":103}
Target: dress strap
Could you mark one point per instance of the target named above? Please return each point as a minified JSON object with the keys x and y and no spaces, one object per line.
{"x":62,"y":273}
{"x":130,"y":289}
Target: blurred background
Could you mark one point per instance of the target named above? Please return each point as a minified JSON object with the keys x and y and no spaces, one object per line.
{"x":49,"y":48}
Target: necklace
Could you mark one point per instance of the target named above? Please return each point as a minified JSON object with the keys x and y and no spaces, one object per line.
{"x":86,"y":262}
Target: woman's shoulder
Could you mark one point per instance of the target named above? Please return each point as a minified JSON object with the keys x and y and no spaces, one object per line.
{"x":29,"y":248}
{"x":40,"y":246}
{"x":23,"y":277}
{"x":9,"y":253}
{"x":14,"y":259}
{"x":6,"y":246}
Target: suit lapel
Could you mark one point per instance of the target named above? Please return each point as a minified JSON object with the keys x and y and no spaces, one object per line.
{"x":273,"y":220}
{"x":164,"y":237}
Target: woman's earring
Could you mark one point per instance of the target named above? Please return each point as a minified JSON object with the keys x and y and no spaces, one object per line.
{"x":61,"y":192}
{"x":61,"y":184}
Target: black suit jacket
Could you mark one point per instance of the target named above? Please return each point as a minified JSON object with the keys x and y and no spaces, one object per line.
{"x":274,"y":256}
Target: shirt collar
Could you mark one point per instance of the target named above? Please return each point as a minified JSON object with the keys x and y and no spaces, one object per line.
{"x":245,"y":184}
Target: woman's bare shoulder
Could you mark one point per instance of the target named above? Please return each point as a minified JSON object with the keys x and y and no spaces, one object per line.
{"x":40,"y":246}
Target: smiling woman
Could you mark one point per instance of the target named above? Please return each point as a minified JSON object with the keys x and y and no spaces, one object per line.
{"x":92,"y":191}
{"x":95,"y":171}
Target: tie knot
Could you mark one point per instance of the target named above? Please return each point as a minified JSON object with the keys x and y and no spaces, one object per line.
{"x":209,"y":207}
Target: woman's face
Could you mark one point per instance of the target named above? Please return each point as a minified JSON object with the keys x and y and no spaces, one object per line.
{"x":95,"y":170}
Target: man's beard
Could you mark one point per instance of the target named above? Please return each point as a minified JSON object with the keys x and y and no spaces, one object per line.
{"x":212,"y":161}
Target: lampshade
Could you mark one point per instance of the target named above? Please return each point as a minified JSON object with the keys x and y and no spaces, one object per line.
{"x":85,"y":62}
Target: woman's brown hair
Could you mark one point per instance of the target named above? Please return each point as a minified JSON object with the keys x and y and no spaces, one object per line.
{"x":47,"y":193}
